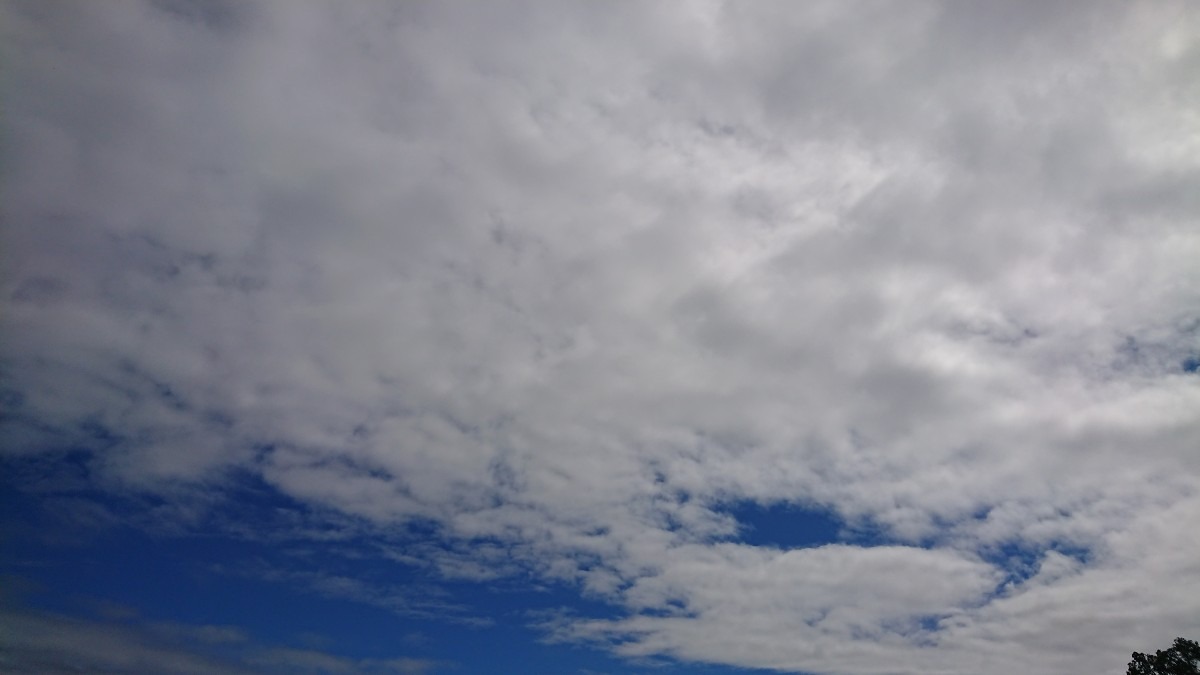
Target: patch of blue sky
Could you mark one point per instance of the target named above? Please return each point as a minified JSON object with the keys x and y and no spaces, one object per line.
{"x":785,"y":525}
{"x":1021,"y":561}
{"x":272,"y":591}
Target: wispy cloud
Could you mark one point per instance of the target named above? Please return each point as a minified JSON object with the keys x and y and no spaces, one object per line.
{"x":42,"y":642}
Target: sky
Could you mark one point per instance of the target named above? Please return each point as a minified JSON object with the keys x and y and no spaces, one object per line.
{"x":847,"y":338}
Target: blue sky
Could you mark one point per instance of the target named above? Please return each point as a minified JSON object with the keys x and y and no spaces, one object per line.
{"x":438,"y":337}
{"x":244,"y":593}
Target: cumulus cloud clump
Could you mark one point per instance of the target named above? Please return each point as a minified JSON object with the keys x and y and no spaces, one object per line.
{"x":562,"y":281}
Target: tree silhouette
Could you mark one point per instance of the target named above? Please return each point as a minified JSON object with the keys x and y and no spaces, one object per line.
{"x":1183,"y":658}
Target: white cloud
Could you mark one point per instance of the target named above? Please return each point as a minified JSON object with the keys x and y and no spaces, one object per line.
{"x":564,"y":279}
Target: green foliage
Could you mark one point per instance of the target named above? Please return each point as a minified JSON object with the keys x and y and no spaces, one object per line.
{"x":1183,"y":658}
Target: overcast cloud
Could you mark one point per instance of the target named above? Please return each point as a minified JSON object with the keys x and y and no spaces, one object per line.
{"x":564,"y":281}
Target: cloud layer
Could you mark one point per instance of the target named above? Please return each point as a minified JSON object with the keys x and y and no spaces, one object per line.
{"x":562,"y":281}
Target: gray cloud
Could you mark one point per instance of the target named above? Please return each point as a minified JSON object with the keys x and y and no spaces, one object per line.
{"x":564,"y":280}
{"x":36,"y":642}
